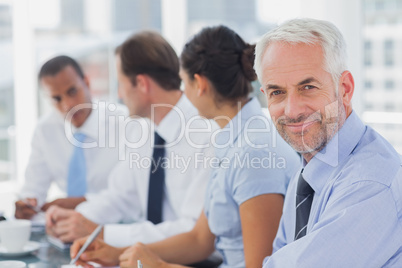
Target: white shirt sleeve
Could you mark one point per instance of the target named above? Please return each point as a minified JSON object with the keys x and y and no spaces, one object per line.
{"x":38,"y":177}
{"x":122,"y":235}
{"x":118,"y":203}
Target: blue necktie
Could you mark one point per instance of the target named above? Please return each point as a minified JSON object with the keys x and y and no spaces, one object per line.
{"x":156,"y":181}
{"x":77,"y":170}
{"x":304,"y":199}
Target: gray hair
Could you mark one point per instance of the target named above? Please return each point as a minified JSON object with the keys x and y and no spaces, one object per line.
{"x":308,"y":31}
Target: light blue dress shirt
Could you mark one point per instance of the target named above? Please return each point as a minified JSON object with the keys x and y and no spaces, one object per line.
{"x":244,"y":170}
{"x":356,"y":214}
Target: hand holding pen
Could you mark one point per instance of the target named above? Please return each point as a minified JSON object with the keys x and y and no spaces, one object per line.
{"x":26,"y":208}
{"x":89,"y":240}
{"x":98,"y":251}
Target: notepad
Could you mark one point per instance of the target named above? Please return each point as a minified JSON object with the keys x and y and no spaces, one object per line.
{"x":58,"y":243}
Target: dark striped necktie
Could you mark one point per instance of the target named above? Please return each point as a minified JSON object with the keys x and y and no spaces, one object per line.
{"x":156,"y":182}
{"x":304,"y":198}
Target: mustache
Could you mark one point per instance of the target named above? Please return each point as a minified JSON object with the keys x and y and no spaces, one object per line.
{"x":284,"y":120}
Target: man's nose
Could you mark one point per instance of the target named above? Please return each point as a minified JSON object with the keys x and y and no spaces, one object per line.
{"x":294,"y":105}
{"x":68,"y":104}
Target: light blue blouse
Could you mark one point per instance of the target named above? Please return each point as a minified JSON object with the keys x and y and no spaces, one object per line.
{"x":252,"y":159}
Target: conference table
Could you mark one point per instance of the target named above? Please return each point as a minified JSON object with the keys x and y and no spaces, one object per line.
{"x":47,"y":256}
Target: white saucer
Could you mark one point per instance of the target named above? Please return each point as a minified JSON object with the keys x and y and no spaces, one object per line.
{"x":30,"y":247}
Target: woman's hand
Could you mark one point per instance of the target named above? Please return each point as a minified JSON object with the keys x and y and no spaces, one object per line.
{"x":98,"y":251}
{"x":140,"y":252}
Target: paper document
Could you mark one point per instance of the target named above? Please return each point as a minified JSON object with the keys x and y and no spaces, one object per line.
{"x":58,"y":243}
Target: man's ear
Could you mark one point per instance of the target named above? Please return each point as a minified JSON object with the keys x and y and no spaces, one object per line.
{"x":201,"y":84}
{"x":142,"y":83}
{"x":346,"y":88}
{"x":86,"y":81}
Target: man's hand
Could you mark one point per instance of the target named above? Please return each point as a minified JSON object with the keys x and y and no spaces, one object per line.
{"x":98,"y":251}
{"x":69,"y":202}
{"x":140,"y":252}
{"x":67,"y":224}
{"x":26,"y":208}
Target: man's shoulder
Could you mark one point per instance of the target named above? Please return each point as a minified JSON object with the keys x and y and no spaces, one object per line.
{"x":373,"y":159}
{"x":50,"y":119}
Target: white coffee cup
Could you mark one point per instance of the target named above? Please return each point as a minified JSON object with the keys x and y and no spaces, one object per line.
{"x":14,"y":234}
{"x":12,"y":264}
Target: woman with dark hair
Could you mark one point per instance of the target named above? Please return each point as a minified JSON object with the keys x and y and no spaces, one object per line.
{"x":244,"y":198}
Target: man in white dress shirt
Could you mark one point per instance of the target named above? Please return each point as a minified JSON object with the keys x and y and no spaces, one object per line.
{"x":52,"y":147}
{"x":149,"y":84}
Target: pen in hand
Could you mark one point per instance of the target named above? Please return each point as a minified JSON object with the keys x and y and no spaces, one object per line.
{"x":28,"y":203}
{"x":90,"y":239}
{"x":36,"y":209}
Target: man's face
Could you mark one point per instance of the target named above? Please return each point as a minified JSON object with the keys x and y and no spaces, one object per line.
{"x":302,"y":97}
{"x":130,"y":94}
{"x":67,"y":90}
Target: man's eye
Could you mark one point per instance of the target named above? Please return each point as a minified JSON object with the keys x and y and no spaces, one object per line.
{"x":57,"y":99}
{"x":308,"y":87}
{"x":72,"y":91}
{"x":275,"y":92}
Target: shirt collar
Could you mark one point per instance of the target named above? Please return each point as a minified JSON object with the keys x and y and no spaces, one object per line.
{"x":320,"y":167}
{"x":91,"y":125}
{"x":173,"y":124}
{"x":230,"y":133}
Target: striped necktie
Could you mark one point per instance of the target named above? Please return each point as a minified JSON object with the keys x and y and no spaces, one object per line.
{"x":77,"y":170}
{"x":304,"y":198}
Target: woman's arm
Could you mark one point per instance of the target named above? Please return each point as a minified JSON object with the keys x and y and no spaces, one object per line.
{"x":98,"y":251}
{"x":189,"y":247}
{"x":193,"y":246}
{"x":260,"y":217}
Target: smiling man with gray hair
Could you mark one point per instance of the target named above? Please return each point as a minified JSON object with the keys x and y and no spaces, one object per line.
{"x":344,"y":208}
